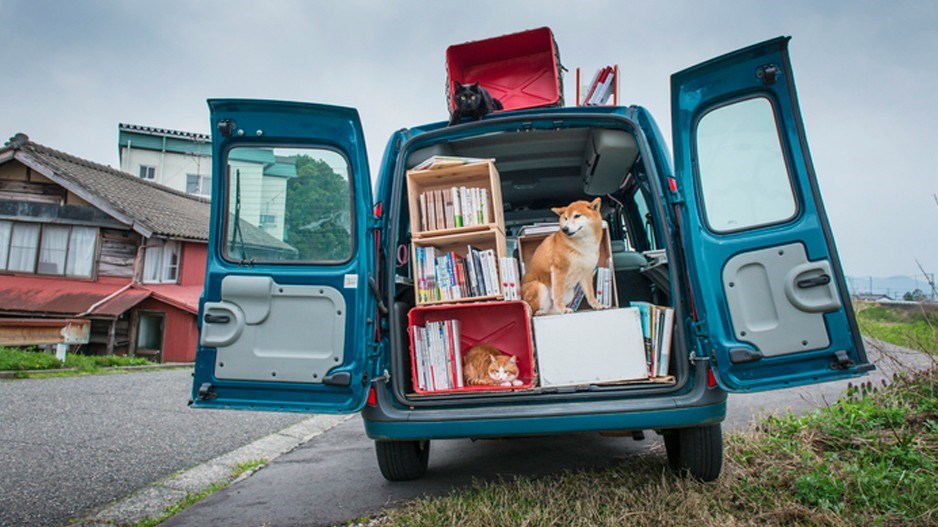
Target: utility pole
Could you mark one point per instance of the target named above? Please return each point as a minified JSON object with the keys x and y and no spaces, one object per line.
{"x":929,"y":277}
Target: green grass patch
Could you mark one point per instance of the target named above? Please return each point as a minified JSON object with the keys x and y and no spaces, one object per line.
{"x":22,"y":359}
{"x":869,"y":459}
{"x":912,"y":327}
{"x":194,"y":497}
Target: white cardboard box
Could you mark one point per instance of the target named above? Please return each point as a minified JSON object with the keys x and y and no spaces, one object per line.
{"x":590,"y":347}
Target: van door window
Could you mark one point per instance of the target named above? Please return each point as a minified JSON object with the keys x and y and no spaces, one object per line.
{"x":288,"y":205}
{"x":744,"y":179}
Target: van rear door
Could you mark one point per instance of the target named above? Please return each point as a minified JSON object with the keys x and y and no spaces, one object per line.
{"x":287,"y":317}
{"x":772,"y":304}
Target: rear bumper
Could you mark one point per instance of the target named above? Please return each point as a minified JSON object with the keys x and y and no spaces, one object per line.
{"x":389,"y":421}
{"x":500,"y":427}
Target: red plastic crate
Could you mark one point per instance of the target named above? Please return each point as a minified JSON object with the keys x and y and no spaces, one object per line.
{"x":505,"y":325}
{"x":522,"y":70}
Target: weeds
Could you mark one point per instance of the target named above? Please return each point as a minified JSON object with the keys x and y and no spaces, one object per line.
{"x":869,"y":459}
{"x":16,"y":359}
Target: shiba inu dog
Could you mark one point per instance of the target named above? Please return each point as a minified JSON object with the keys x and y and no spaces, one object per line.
{"x":564,"y":259}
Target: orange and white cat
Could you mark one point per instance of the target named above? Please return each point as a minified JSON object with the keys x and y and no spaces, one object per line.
{"x":564,"y":259}
{"x":485,"y":365}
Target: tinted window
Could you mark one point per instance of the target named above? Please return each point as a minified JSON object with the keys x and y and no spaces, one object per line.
{"x":288,"y":205}
{"x":744,"y":180}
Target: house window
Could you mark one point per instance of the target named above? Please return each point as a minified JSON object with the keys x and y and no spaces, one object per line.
{"x":147,"y":172}
{"x":268,"y":219}
{"x":47,"y":249}
{"x":198,"y":185}
{"x":161,"y":262}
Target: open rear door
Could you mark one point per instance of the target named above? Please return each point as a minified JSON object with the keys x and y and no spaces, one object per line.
{"x":773,"y":308}
{"x":287,"y":316}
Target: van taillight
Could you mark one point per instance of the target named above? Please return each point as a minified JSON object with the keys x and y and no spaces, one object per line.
{"x":372,"y":397}
{"x":711,"y":379}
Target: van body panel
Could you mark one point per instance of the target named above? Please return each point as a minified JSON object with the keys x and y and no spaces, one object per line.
{"x":772,"y":304}
{"x":286,"y":326}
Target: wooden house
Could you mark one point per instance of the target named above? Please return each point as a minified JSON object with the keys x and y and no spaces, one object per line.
{"x":82,"y":240}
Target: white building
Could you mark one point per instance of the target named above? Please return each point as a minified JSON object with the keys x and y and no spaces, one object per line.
{"x":183,"y":161}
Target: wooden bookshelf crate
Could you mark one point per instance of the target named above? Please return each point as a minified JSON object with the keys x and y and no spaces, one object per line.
{"x":481,"y":175}
{"x":459,"y":243}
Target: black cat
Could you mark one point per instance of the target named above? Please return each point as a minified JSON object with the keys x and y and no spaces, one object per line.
{"x":472,"y":101}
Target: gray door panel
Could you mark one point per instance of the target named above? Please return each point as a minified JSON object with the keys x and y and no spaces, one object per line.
{"x":287,"y":333}
{"x":777,"y":299}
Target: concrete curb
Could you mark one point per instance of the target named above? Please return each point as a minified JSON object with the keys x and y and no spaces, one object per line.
{"x":151,"y":501}
{"x":12,"y":374}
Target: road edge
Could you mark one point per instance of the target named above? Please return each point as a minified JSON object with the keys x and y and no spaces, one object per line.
{"x":153,"y":500}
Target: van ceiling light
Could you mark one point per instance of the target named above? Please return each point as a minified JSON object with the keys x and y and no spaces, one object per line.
{"x":524,"y":186}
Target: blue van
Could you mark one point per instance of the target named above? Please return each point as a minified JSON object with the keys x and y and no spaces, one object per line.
{"x":308,"y":285}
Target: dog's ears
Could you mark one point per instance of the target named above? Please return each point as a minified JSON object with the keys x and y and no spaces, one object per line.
{"x":559,"y":210}
{"x":596,"y":203}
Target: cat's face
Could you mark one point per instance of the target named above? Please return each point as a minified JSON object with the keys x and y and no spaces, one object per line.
{"x":503,"y":369}
{"x":468,"y":96}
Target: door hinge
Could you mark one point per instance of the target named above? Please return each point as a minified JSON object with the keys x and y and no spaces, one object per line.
{"x":207,"y":392}
{"x":698,"y":328}
{"x":384,"y":377}
{"x":841,"y":361}
{"x":694,"y":358}
{"x":377,"y":349}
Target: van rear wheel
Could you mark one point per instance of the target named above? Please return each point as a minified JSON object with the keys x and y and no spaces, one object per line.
{"x":697,"y":451}
{"x":402,"y":460}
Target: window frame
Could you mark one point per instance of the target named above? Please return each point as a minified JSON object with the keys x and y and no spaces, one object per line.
{"x":92,"y":275}
{"x":227,"y":205}
{"x":150,"y":169}
{"x":201,"y":191}
{"x":161,"y":244}
{"x":784,"y":148}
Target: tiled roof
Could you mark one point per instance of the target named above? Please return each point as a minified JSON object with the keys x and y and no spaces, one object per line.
{"x":164,"y":131}
{"x":157,"y":209}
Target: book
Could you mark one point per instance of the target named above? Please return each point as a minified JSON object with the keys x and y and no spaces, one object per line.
{"x":437,"y":356}
{"x":664,"y":352}
{"x":511,"y":286}
{"x":457,"y":207}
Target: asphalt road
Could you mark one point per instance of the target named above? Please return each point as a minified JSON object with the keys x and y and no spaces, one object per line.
{"x":334,"y":478}
{"x":70,"y":445}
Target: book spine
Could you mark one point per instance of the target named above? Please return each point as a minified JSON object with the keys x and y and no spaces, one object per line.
{"x":457,"y":351}
{"x":486,"y":218}
{"x":457,"y":207}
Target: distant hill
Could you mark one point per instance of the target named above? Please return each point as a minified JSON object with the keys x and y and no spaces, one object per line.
{"x":893,"y":287}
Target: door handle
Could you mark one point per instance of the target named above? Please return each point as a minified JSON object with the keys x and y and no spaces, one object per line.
{"x":216,"y":319}
{"x":814,"y":281}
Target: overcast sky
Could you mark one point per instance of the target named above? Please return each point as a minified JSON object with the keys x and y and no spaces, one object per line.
{"x":865,"y":72}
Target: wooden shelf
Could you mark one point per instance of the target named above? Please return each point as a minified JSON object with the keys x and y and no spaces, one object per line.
{"x":482,"y":175}
{"x":485,"y":236}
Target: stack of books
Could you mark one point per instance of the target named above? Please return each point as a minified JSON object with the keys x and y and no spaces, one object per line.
{"x":602,"y":290}
{"x":657,"y":327}
{"x":435,"y":162}
{"x":453,"y":208}
{"x":600,"y":89}
{"x":604,"y":286}
{"x":511,"y":281}
{"x":449,"y":276}
{"x":437,"y":356}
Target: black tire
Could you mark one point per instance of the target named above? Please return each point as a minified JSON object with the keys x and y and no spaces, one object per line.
{"x":672,"y":445}
{"x":402,"y":460}
{"x":697,"y":451}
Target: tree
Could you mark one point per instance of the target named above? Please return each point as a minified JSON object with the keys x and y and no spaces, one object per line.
{"x":914,"y":296}
{"x":318,"y":211}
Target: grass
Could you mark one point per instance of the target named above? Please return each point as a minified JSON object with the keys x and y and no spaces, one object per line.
{"x":194,"y":497}
{"x":912,"y":327}
{"x":20,"y":360}
{"x":869,"y":459}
